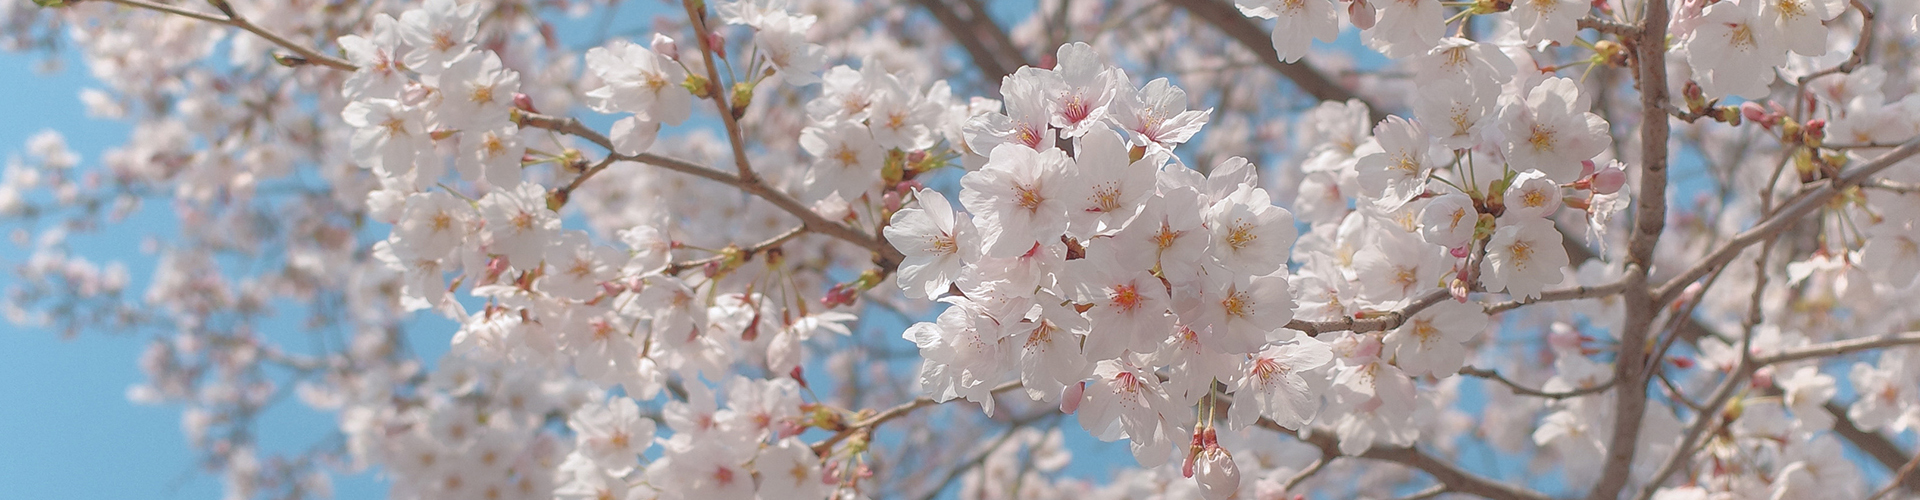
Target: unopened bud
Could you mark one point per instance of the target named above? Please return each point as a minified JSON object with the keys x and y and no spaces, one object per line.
{"x":524,"y":102}
{"x":665,"y":46}
{"x":718,"y":43}
{"x":290,"y":60}
{"x":891,"y":201}
{"x":1608,"y":181}
{"x":1695,"y":96}
{"x":1217,"y":476}
{"x":1361,"y":13}
{"x":1816,"y":131}
{"x":799,"y":375}
{"x":1070,"y":397}
{"x":1753,"y":112}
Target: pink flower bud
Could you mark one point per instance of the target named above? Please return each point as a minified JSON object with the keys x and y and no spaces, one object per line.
{"x":1070,"y":397}
{"x":1754,"y":112}
{"x":799,"y":375}
{"x":718,"y":43}
{"x":891,"y":201}
{"x":1219,"y":479}
{"x":665,"y":46}
{"x":1609,"y":181}
{"x":1816,"y":130}
{"x":1361,"y":13}
{"x":1586,"y":168}
{"x":524,"y":102}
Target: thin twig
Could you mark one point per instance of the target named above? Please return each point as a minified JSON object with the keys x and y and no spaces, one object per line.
{"x":237,"y":21}
{"x":745,"y":252}
{"x":867,"y":424}
{"x":1528,"y":391}
{"x":887,"y":257}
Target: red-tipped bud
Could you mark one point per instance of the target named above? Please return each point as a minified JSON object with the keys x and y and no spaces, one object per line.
{"x":1681,"y":362}
{"x":799,"y":375}
{"x":1756,"y":113}
{"x":718,"y":43}
{"x":1586,"y":168}
{"x":524,"y":102}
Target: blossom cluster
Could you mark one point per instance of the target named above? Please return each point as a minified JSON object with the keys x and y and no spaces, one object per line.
{"x":1448,"y":266}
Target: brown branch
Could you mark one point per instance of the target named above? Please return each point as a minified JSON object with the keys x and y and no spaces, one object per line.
{"x":1840,"y":347}
{"x":1228,"y":19}
{"x":1528,"y":391}
{"x":1650,"y":217}
{"x":1454,"y":479}
{"x":886,"y":256}
{"x":869,"y":422}
{"x":1564,"y":294}
{"x":1894,"y":482}
{"x":1375,"y":322}
{"x":1624,"y":31}
{"x":745,"y":252}
{"x":697,"y":17}
{"x":990,"y":47}
{"x":235,"y":20}
{"x":1804,"y":203}
{"x":1860,"y":49}
{"x":1874,"y":444}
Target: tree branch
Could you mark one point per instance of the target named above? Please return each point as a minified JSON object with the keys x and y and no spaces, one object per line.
{"x":1528,"y":391}
{"x":886,"y":256}
{"x":1840,"y":347}
{"x":697,"y":17}
{"x":235,"y":20}
{"x":1804,"y":203}
{"x":1650,"y":218}
{"x":1229,"y":21}
{"x":867,"y":424}
{"x":1454,"y":479}
{"x":989,"y":46}
{"x":1374,"y":323}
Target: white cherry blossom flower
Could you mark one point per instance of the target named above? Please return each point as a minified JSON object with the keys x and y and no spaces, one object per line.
{"x":937,"y":242}
{"x":1080,"y":90}
{"x":1523,"y":257}
{"x":638,"y":81}
{"x":1107,"y":188}
{"x":518,"y":224}
{"x":1550,"y":20}
{"x":1448,"y":220}
{"x":1300,"y":22}
{"x":1019,"y":198}
{"x":1156,"y":114}
{"x":1129,"y":306}
{"x":439,"y":32}
{"x":1433,"y":342}
{"x":1249,"y":234}
{"x":1551,"y":131}
{"x":1531,"y":195}
{"x":1734,"y":50}
{"x":1275,"y":384}
{"x":1398,"y":173}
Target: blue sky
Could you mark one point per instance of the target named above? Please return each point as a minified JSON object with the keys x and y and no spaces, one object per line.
{"x":67,"y":421}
